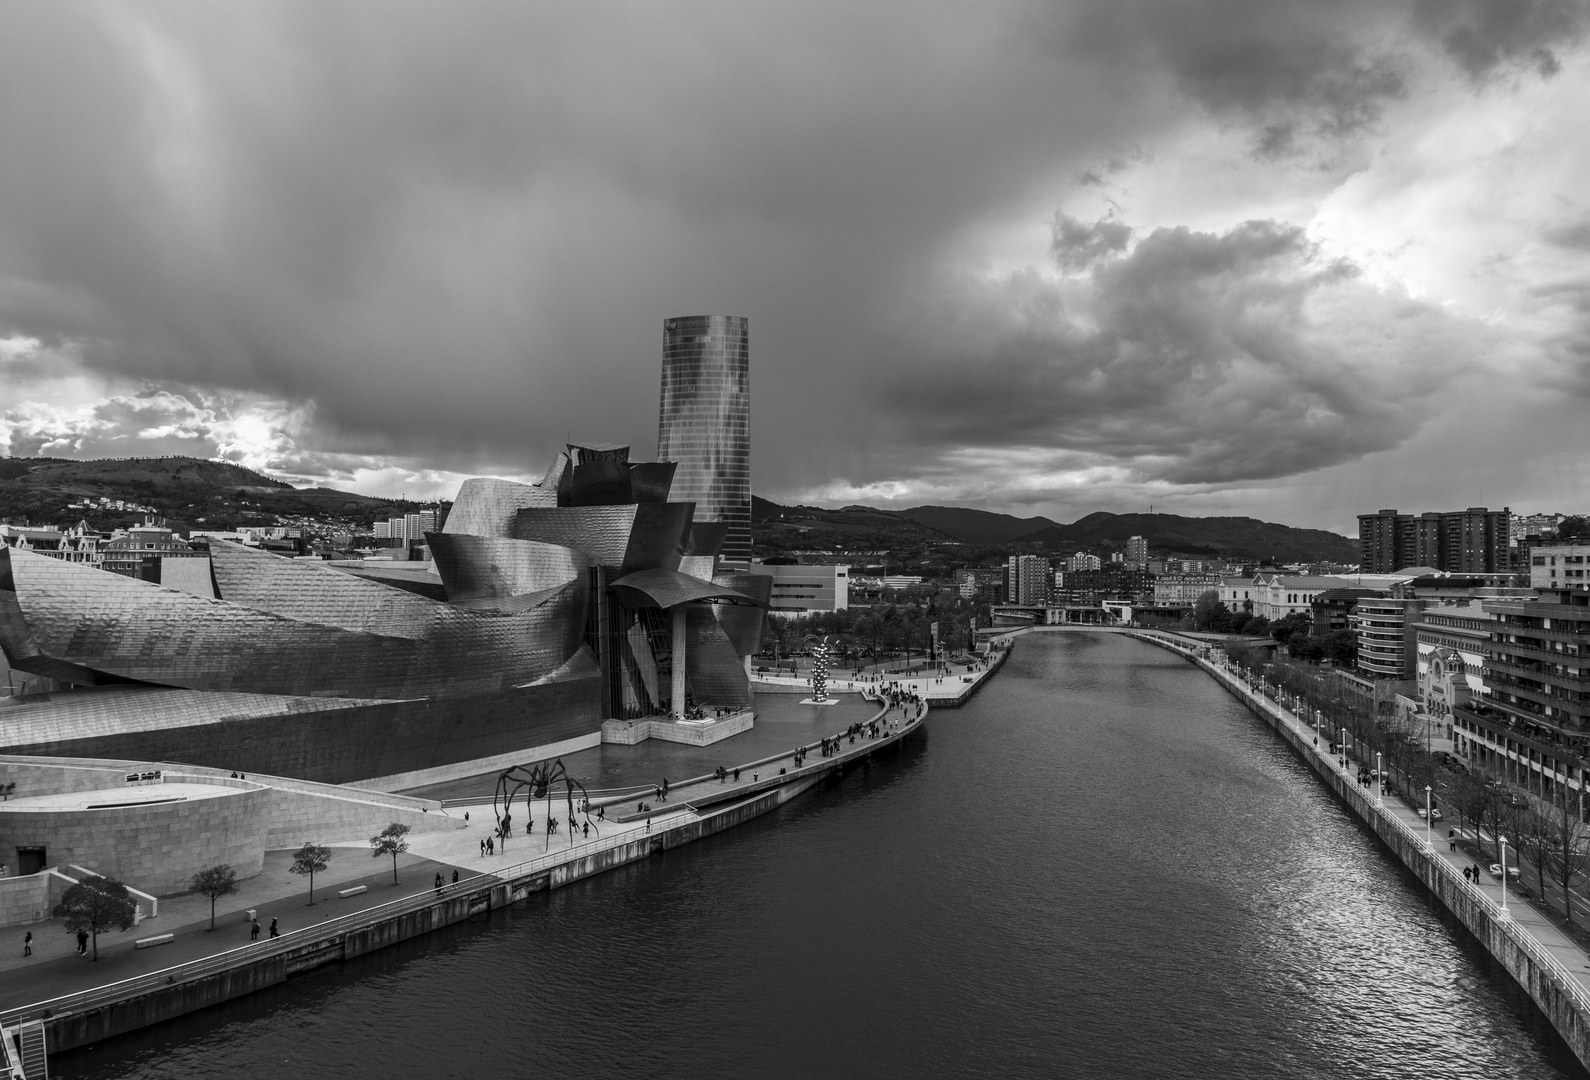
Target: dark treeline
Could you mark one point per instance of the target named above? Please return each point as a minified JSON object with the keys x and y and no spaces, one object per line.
{"x":900,"y":623}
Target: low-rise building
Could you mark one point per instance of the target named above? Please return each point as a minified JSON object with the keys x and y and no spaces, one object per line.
{"x":801,"y":590}
{"x":1560,"y":566}
{"x":1183,"y":590}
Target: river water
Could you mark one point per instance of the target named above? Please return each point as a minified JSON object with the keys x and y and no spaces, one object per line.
{"x":1103,"y":866}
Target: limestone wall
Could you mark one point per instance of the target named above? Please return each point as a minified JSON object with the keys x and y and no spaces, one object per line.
{"x":24,"y":899}
{"x":155,"y":847}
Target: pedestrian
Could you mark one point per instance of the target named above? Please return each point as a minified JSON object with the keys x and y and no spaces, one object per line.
{"x":482,"y":847}
{"x":587,"y":828}
{"x":736,"y":774}
{"x":601,"y":813}
{"x":27,"y":943}
{"x":466,"y":815}
{"x":275,"y":930}
{"x":648,"y":824}
{"x":438,"y":881}
{"x":253,"y":930}
{"x":82,"y":943}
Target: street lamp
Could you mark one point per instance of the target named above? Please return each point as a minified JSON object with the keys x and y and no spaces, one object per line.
{"x":1380,"y":780}
{"x":1429,"y":843}
{"x":1344,"y":746}
{"x":1502,"y":840}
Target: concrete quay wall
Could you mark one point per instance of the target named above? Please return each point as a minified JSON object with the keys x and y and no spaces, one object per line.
{"x":86,"y":1018}
{"x":1548,"y":985}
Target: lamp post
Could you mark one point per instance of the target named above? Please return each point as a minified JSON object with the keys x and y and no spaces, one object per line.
{"x":1380,"y":781}
{"x":1502,"y":841}
{"x":1344,"y":746}
{"x":1429,"y":843}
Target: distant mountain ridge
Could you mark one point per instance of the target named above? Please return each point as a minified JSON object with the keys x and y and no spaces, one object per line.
{"x":189,"y":492}
{"x":1237,"y":538}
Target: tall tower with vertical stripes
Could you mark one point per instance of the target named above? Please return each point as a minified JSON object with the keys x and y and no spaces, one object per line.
{"x":704,"y":422}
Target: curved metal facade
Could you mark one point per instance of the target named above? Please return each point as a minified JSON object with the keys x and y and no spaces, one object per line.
{"x":478,"y":567}
{"x":704,"y":421}
{"x":305,"y":633}
{"x":485,"y":506}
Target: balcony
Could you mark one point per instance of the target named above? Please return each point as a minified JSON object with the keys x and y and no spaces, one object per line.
{"x":1535,"y":652}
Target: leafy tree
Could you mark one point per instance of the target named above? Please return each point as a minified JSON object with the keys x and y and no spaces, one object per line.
{"x":390,"y":842}
{"x":1256,"y":625}
{"x":1575,"y":527}
{"x":310,"y":860}
{"x":1209,"y":613}
{"x":214,"y":882}
{"x":1311,"y":649}
{"x":1297,"y":624}
{"x":96,"y":904}
{"x":1341,"y":647}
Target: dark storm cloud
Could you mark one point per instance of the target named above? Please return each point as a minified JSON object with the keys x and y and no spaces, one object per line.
{"x":455,"y":230}
{"x":1485,"y":36}
{"x":1290,"y":70}
{"x":1196,"y":357}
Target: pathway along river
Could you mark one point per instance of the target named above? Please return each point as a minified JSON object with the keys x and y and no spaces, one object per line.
{"x":1101,"y":867}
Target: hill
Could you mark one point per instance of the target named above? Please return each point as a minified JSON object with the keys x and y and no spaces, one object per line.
{"x":1226,"y":537}
{"x":850,"y":528}
{"x":975,"y":526}
{"x":190,"y":493}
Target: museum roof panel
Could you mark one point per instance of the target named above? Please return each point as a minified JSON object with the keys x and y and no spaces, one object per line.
{"x":669,"y":588}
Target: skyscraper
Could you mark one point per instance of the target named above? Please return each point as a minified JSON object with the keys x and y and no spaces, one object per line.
{"x":1472,"y":541}
{"x":704,"y":422}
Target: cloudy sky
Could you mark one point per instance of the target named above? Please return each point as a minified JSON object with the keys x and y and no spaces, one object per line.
{"x":1273,"y":257}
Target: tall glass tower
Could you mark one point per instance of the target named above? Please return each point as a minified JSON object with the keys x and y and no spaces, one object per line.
{"x":705,"y":422}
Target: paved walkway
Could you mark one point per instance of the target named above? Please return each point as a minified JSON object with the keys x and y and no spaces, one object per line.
{"x":55,"y":968}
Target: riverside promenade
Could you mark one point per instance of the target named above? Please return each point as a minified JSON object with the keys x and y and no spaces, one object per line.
{"x":1548,"y":965}
{"x":697,"y":808}
{"x":940,"y":689}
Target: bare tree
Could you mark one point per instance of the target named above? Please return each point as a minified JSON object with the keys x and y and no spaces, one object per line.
{"x":1568,"y":836}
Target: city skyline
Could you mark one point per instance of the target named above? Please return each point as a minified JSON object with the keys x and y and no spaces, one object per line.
{"x":1267,"y":260}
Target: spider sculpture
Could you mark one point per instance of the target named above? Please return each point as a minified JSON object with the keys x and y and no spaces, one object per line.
{"x":537,"y":782}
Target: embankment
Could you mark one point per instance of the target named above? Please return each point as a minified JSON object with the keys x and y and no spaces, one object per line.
{"x":1558,"y":993}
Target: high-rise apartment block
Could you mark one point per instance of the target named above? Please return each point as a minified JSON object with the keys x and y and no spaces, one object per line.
{"x":1472,"y":541}
{"x":704,"y":422}
{"x":1027,"y":579}
{"x":1136,"y":549}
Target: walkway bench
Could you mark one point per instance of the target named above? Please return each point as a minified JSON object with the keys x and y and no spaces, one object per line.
{"x":158,"y":939}
{"x":355,"y":891}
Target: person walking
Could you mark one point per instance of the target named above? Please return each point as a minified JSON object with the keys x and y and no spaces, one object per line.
{"x":82,"y":943}
{"x":275,"y":930}
{"x":253,"y":930}
{"x":455,"y":877}
{"x":27,"y":943}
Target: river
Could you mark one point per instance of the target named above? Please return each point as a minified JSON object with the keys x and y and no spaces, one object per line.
{"x":1103,"y":866}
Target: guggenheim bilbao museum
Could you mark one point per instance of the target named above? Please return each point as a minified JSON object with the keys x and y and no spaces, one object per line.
{"x":610,"y":589}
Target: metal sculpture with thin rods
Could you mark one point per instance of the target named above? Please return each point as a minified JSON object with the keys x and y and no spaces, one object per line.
{"x":537,"y":782}
{"x":820,"y":660}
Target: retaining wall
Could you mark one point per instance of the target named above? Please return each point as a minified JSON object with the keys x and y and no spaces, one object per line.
{"x":1522,"y":957}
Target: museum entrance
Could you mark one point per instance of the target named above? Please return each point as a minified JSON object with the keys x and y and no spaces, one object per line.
{"x":30,"y":860}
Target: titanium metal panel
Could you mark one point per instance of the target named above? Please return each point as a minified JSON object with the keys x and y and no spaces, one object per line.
{"x":477,"y":567}
{"x":640,"y":536}
{"x":704,"y":421}
{"x":651,"y":481}
{"x":406,"y":576}
{"x":60,"y":613}
{"x":669,"y":588}
{"x":485,"y":506}
{"x":742,"y":622}
{"x":706,"y":538}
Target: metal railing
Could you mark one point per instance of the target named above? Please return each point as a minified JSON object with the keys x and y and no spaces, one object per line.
{"x":323,"y":932}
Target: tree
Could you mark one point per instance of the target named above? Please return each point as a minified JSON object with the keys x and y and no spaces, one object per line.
{"x":1574,"y":527}
{"x":390,"y":842}
{"x":1297,"y":624}
{"x":215,"y":882}
{"x":96,"y":904}
{"x":1341,"y":647}
{"x":1566,"y":838}
{"x":310,"y":859}
{"x":1209,"y":613}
